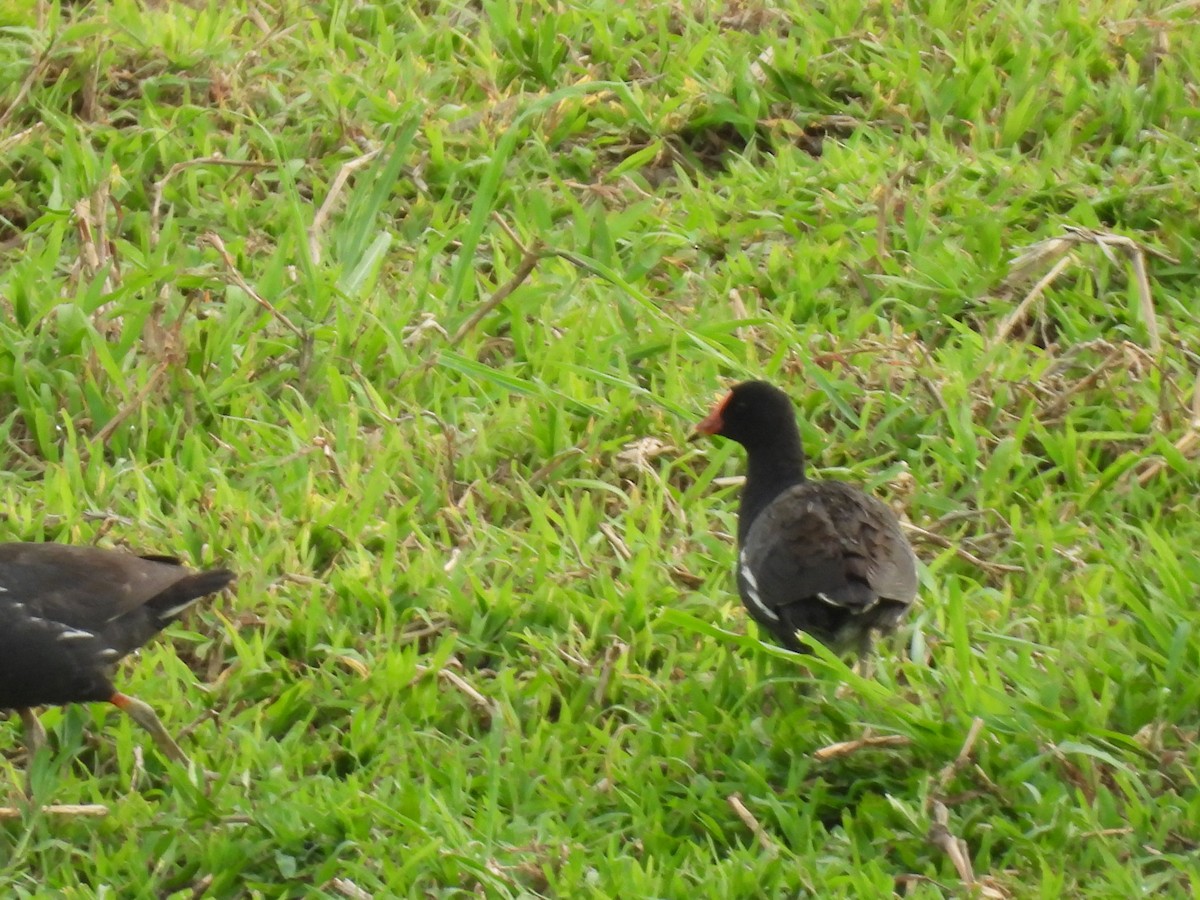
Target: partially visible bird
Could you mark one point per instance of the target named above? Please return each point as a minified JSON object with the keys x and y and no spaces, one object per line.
{"x":69,"y":613}
{"x":820,"y":557}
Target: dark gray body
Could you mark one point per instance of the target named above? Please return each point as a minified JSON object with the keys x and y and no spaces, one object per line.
{"x":68,"y":614}
{"x":827,"y":559}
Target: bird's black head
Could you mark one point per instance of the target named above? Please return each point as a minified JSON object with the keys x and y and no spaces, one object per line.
{"x":753,"y":413}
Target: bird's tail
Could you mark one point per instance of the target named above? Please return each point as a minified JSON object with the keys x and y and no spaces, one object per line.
{"x":171,"y":603}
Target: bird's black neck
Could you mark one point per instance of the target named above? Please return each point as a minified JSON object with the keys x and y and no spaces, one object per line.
{"x":771,"y":470}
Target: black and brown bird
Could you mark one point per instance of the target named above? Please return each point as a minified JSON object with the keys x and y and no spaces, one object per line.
{"x":68,"y":614}
{"x":820,"y":557}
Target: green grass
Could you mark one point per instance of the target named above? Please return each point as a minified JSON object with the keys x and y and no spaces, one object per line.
{"x":476,"y":646}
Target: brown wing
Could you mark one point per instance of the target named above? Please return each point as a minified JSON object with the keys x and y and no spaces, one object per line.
{"x":83,"y":587}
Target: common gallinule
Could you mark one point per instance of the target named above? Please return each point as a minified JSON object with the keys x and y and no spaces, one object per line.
{"x":820,"y":557}
{"x":68,"y":614}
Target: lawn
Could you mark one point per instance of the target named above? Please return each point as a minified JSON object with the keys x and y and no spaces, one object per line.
{"x":405,"y":311}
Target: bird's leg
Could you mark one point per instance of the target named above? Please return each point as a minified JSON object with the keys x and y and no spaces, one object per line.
{"x":146,"y":717}
{"x":35,"y":740}
{"x":864,"y":664}
{"x":35,"y":734}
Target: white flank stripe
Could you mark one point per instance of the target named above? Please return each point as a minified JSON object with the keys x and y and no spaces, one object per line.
{"x":176,"y":610}
{"x":752,"y":589}
{"x":824,"y":598}
{"x":74,"y":634}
